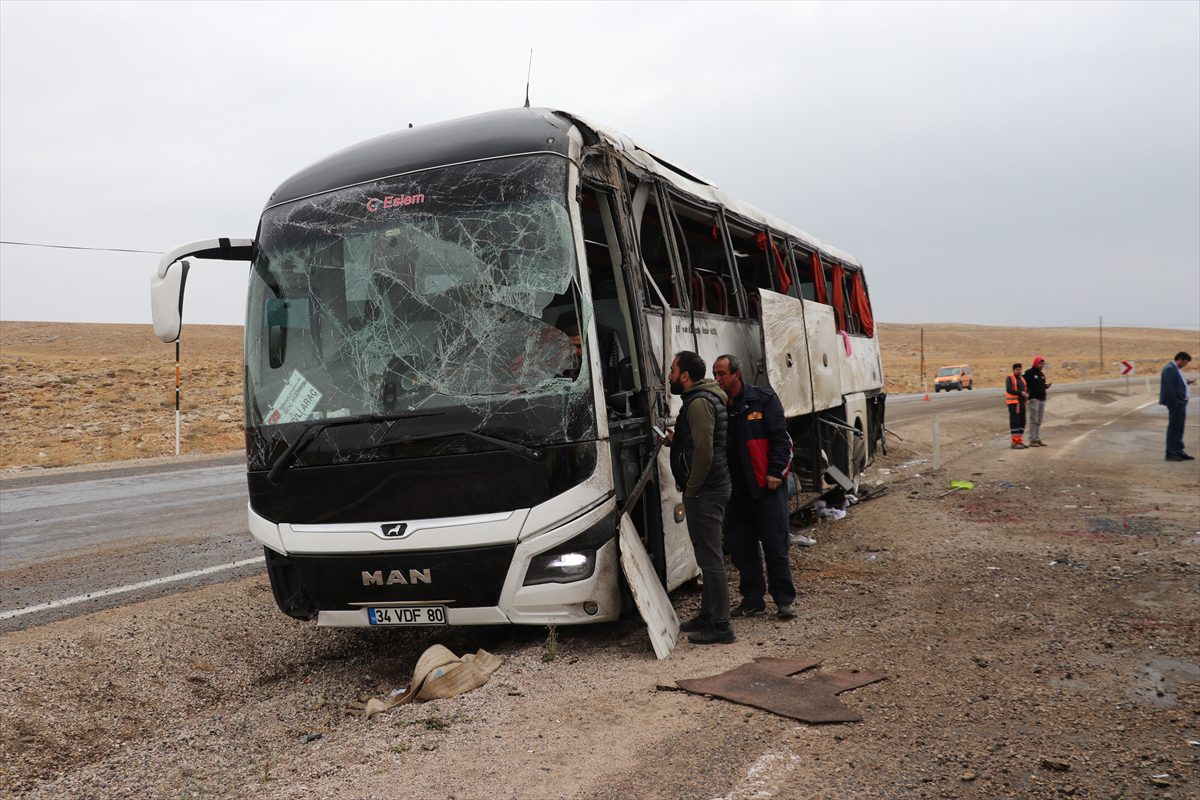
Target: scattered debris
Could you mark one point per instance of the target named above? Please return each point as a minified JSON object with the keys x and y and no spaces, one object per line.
{"x":766,"y":683}
{"x":1055,"y":765}
{"x":312,"y":737}
{"x":439,"y":673}
{"x":966,"y":485}
{"x":865,"y":494}
{"x":834,"y":514}
{"x":801,"y":539}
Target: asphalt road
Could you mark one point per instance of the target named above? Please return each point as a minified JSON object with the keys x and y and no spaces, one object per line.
{"x":904,"y":407}
{"x":77,"y":542}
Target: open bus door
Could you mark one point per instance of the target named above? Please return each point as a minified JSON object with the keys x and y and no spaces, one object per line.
{"x":646,"y":581}
{"x":649,"y":594}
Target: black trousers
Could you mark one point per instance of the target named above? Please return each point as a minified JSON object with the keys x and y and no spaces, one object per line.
{"x":704,"y":515}
{"x":756,"y":531}
{"x":1176,"y":418}
{"x":1016,"y":419}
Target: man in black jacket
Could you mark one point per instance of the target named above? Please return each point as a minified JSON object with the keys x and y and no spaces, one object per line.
{"x":1173,"y":393}
{"x":698,"y":463}
{"x":756,"y":519}
{"x":1036,"y":386}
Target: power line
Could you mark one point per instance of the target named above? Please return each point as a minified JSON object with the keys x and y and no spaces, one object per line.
{"x":72,"y":247}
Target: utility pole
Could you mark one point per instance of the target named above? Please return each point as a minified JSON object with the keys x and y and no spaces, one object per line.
{"x":176,"y":397}
{"x":923,"y":384}
{"x":1101,"y":345}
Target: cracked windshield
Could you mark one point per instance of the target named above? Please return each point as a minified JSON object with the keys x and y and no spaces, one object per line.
{"x":448,"y":298}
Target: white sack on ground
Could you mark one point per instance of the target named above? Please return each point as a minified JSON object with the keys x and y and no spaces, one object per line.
{"x":439,"y":673}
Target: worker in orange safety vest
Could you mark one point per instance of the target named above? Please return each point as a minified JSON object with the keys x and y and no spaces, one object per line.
{"x":1016,"y":392}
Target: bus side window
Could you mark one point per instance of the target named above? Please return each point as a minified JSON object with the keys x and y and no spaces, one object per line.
{"x":699,"y":237}
{"x":803,"y":259}
{"x":657,"y":256}
{"x":755,"y":264}
{"x":804,"y":269}
{"x":851,"y":318}
{"x":785,"y":254}
{"x":609,"y":298}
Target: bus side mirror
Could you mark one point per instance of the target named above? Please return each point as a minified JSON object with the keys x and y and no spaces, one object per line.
{"x":166,"y":299}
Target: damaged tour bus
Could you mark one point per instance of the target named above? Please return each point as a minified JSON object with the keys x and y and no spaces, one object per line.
{"x":456,"y":344}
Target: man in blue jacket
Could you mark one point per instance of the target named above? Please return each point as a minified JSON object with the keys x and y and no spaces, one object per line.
{"x":756,"y":519}
{"x":1173,"y":393}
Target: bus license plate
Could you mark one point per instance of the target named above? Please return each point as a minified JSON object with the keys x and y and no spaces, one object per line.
{"x":408,"y":615}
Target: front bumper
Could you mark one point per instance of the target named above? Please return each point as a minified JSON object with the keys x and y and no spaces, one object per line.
{"x":475,"y":567}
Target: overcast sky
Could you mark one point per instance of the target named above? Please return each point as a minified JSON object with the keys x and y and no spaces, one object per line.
{"x":1007,"y":163}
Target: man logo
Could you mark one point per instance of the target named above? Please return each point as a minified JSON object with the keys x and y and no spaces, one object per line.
{"x":395,"y":531}
{"x":397,"y":576}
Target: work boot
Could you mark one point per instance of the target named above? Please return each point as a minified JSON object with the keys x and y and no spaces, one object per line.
{"x":713,"y":634}
{"x":696,"y":623}
{"x":748,"y":611}
{"x":786,"y":612}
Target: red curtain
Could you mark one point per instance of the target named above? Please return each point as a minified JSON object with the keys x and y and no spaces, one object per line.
{"x":819,"y":280}
{"x":782,"y":279}
{"x":862,"y":306}
{"x":839,"y":296}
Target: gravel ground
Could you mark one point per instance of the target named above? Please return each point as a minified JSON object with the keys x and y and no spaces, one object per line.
{"x":1039,"y":633}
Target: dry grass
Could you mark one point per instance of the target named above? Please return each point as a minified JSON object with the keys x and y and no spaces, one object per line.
{"x":80,"y":394}
{"x":1072,"y":354}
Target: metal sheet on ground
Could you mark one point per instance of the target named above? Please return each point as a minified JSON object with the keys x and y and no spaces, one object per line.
{"x":648,"y":593}
{"x":766,"y":684}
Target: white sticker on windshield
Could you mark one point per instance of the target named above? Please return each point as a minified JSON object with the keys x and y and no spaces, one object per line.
{"x":295,"y":402}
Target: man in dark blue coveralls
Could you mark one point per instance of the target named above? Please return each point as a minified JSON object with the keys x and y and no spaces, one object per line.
{"x":756,"y":519}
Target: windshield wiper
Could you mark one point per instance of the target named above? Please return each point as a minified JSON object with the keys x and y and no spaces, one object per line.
{"x":530,"y":453}
{"x":288,"y":456}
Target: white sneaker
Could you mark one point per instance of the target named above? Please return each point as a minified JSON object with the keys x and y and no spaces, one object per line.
{"x":802,"y":540}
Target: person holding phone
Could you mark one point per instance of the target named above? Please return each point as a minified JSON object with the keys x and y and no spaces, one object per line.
{"x":698,"y":463}
{"x":1174,"y":393}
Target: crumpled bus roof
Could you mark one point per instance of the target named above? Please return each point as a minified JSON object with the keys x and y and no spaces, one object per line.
{"x":506,"y":132}
{"x":692,"y":184}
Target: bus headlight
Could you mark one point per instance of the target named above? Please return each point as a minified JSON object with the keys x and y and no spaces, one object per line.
{"x":561,"y":567}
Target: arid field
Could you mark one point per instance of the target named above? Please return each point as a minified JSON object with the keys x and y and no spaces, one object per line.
{"x":83,"y":393}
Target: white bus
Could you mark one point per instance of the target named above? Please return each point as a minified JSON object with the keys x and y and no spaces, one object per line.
{"x":454,"y":355}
